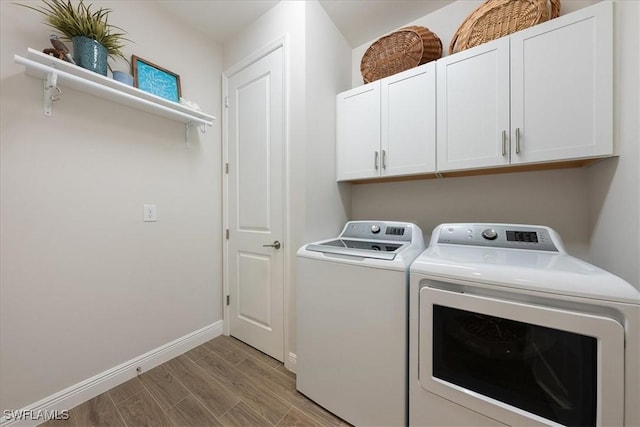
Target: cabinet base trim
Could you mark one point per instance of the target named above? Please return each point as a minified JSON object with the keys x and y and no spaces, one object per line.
{"x":488,"y":171}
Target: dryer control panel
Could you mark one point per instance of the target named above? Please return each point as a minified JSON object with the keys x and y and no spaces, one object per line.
{"x":511,"y":236}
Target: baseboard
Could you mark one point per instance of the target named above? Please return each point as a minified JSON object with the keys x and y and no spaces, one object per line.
{"x":90,"y":388}
{"x":291,"y":362}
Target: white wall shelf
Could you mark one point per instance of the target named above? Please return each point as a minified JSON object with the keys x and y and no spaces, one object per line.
{"x":55,"y":72}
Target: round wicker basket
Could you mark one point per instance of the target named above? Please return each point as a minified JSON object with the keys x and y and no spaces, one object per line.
{"x":497,"y":18}
{"x":431,"y":43}
{"x":399,"y":51}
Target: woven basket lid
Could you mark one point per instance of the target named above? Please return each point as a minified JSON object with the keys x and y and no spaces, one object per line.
{"x":497,"y":18}
{"x":399,"y":51}
{"x":431,"y":43}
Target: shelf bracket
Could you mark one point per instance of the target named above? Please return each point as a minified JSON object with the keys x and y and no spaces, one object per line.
{"x":51,"y":92}
{"x":187,"y":131}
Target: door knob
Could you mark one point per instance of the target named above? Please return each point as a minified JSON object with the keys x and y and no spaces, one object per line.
{"x":275,"y":245}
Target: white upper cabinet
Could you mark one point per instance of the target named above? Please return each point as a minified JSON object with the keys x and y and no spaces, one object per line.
{"x":358,"y":132}
{"x":473,"y":107}
{"x":561,"y":87}
{"x":387,"y":128}
{"x":539,"y":95}
{"x":409,"y":122}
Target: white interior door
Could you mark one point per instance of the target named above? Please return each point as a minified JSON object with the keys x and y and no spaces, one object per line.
{"x":255,"y":204}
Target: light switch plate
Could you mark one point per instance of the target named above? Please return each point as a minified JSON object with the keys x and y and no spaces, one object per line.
{"x":150,"y":213}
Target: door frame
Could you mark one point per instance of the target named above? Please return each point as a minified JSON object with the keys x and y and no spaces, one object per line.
{"x":281,"y":42}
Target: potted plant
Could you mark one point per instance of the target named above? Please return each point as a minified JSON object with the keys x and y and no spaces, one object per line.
{"x":93,"y":38}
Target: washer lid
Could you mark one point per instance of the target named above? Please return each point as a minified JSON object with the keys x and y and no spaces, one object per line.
{"x":379,"y":244}
{"x":358,"y":248}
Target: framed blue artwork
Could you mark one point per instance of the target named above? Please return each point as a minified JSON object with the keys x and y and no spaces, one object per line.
{"x":151,"y":78}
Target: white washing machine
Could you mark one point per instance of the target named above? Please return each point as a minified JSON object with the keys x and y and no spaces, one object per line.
{"x":506,"y":328}
{"x":352,"y":321}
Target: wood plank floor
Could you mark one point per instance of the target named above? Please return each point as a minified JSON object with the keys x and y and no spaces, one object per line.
{"x":223,"y":382}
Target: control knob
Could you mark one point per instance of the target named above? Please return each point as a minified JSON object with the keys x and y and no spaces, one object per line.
{"x":490,"y":234}
{"x":375,"y":229}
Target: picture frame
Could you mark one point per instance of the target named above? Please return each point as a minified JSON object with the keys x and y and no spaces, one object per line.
{"x":155,"y":79}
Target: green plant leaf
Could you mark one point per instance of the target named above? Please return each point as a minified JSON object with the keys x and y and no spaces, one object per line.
{"x":81,"y":20}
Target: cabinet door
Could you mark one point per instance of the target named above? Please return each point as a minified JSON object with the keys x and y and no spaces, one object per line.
{"x":358,"y":132}
{"x":561,"y":77}
{"x":409,"y":122}
{"x":473,"y":107}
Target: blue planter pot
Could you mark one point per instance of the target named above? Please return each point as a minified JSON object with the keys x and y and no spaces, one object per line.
{"x":90,"y":54}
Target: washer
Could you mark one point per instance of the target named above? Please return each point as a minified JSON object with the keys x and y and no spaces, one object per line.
{"x":352,"y":312}
{"x":506,"y":328}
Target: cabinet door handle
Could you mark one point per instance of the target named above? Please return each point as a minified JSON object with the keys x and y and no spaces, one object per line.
{"x":375,"y":160}
{"x":504,"y":142}
{"x":384,"y":159}
{"x":517,"y":140}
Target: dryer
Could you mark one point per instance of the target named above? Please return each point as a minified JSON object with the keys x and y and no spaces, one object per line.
{"x":352,"y":321}
{"x":506,"y":328}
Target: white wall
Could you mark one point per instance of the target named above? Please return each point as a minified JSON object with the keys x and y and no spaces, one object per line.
{"x":328,"y":73}
{"x":595,"y":209}
{"x":553,"y":198}
{"x":85,"y":284}
{"x":614,"y":201}
{"x":327,"y":204}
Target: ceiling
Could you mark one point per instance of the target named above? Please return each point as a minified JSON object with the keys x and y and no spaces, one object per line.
{"x":359,"y":21}
{"x":219,"y":19}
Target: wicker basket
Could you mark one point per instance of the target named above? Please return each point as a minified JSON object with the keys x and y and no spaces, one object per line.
{"x":431,"y":44}
{"x":399,"y":51}
{"x":497,"y":18}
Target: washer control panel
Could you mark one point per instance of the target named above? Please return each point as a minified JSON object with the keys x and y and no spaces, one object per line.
{"x":489,"y":234}
{"x":511,"y":236}
{"x":378,"y":230}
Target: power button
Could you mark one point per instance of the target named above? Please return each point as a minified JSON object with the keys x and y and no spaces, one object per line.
{"x":490,"y":234}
